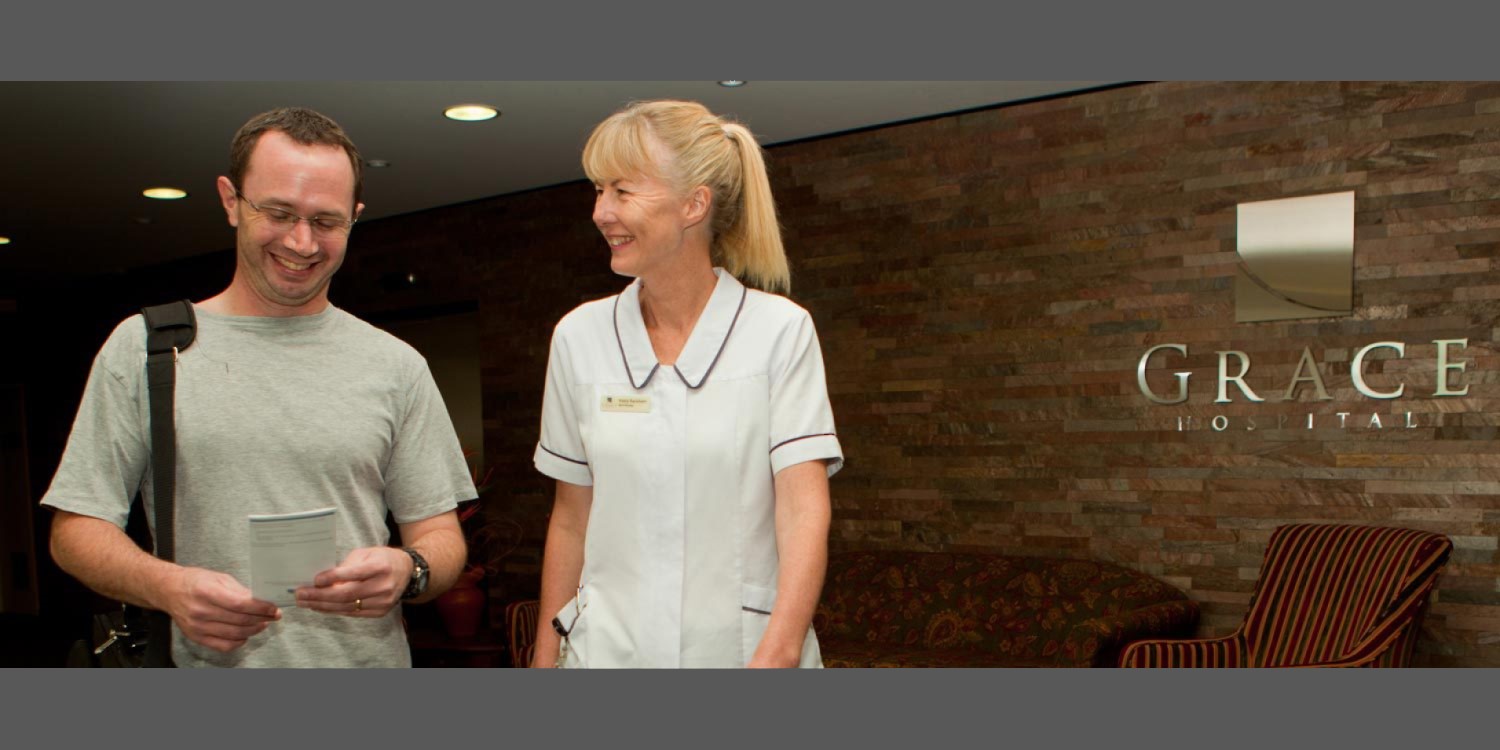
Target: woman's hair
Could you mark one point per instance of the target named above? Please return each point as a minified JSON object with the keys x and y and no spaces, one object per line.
{"x":702,"y":149}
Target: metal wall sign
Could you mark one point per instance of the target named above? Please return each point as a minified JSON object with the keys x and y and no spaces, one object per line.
{"x":1296,"y":258}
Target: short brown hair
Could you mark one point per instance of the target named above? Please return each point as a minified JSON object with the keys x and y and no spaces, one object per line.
{"x":302,"y":125}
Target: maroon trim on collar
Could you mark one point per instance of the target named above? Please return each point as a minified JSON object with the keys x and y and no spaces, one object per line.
{"x":744,"y":293}
{"x":625,"y":360}
{"x":614,"y":317}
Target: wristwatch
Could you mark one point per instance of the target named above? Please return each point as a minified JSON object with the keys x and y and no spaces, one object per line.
{"x":419,"y":571}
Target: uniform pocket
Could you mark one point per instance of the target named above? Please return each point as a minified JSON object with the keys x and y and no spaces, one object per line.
{"x":756,"y":603}
{"x":757,"y":599}
{"x":573,"y":619}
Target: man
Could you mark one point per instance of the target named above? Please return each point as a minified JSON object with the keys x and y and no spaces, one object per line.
{"x":284,"y":404}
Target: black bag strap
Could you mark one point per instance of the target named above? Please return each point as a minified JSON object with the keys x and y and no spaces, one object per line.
{"x":170,"y":329}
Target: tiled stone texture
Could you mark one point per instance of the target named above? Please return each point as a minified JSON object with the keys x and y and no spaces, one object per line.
{"x":984,"y":285}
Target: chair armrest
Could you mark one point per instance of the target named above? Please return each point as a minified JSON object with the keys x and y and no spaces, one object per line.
{"x":1390,"y":642}
{"x":1097,"y":642}
{"x":1209,"y":652}
{"x":520,"y":627}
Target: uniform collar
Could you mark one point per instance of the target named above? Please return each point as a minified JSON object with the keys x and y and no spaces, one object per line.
{"x":704,"y":344}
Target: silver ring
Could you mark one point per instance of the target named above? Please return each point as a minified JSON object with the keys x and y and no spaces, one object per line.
{"x":358,"y":604}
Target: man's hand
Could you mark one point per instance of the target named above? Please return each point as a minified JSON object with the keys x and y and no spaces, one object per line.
{"x":368,"y":583}
{"x":211,"y":608}
{"x":215,"y":610}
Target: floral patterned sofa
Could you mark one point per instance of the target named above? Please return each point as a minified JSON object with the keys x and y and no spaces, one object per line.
{"x":918,"y":609}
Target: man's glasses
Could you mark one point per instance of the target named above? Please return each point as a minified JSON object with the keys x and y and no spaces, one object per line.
{"x":323,"y":226}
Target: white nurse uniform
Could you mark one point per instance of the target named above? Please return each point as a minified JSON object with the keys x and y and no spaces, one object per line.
{"x":680,"y":560}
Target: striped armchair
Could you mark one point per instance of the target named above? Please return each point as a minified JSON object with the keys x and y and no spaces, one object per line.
{"x":1328,"y":595}
{"x":520,"y":626}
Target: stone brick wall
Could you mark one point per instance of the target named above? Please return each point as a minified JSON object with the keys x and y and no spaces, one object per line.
{"x":984,"y":285}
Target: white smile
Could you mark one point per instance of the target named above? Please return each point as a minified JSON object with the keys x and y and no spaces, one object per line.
{"x":290,"y":265}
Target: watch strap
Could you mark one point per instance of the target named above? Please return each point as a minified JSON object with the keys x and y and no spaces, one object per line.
{"x":419,"y":574}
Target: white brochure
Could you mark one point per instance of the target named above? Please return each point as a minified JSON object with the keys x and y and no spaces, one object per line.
{"x":287,"y":550}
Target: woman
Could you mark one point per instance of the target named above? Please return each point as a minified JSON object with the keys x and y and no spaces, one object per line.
{"x":686,"y":419}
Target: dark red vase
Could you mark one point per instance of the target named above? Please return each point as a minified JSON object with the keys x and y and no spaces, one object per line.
{"x":462,"y":607}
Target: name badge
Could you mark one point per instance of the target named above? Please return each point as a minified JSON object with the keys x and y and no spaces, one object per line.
{"x":630,"y":404}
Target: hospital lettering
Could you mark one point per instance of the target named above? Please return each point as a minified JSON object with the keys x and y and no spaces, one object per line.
{"x":1234,"y":367}
{"x":1338,"y":420}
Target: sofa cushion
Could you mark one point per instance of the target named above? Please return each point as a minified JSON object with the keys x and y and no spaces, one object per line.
{"x":987,"y":609}
{"x":877,"y":655}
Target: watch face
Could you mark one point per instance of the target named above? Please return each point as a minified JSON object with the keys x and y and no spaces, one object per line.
{"x":419,"y":573}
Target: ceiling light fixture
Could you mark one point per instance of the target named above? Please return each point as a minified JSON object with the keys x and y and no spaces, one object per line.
{"x":164,"y":193}
{"x":471,"y":112}
{"x":732,"y":84}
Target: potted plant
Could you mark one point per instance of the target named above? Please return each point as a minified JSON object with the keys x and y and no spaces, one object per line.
{"x":490,"y":540}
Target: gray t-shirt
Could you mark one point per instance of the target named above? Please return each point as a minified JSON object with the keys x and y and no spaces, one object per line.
{"x":274,"y":415}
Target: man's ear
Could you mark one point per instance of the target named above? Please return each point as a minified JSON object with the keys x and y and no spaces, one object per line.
{"x":229,"y":200}
{"x":699,"y":205}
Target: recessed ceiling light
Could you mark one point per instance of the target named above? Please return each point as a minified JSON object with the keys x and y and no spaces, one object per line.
{"x":471,"y":112}
{"x":164,"y":193}
{"x":4,"y":240}
{"x":732,"y":84}
{"x":377,"y":163}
